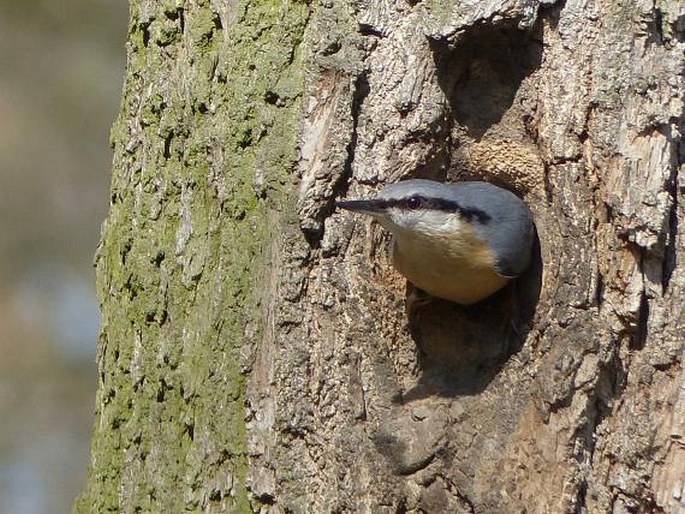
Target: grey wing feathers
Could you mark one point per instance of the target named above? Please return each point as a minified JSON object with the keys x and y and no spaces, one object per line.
{"x":510,"y":230}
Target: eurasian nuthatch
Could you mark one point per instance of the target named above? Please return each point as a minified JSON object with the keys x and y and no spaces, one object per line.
{"x":461,"y":242}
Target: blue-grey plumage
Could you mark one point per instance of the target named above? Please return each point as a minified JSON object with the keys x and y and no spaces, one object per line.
{"x":461,"y":241}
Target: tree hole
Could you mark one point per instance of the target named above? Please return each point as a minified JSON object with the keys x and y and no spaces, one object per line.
{"x":462,"y":348}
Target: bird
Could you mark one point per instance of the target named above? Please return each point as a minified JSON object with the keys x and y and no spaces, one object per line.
{"x":460,"y":241}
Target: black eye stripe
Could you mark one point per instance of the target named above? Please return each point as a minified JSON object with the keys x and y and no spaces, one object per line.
{"x":416,"y":202}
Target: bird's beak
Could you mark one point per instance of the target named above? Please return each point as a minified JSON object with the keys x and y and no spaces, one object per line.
{"x":362,"y":206}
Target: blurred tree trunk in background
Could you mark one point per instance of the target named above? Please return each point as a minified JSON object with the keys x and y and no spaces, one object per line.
{"x":255,"y":354}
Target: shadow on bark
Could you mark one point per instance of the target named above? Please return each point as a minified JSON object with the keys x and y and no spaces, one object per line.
{"x":463,"y":348}
{"x":481,"y":74}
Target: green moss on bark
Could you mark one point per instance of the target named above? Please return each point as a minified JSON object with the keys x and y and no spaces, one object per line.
{"x":209,"y":109}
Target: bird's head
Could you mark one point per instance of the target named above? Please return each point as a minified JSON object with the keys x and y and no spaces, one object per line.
{"x":418,"y":207}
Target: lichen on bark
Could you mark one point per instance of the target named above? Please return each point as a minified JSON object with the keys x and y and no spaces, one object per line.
{"x":203,"y":150}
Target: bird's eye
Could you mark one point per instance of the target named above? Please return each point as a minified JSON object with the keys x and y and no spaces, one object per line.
{"x":414,"y":202}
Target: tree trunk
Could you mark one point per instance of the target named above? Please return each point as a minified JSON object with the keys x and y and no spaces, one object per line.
{"x":256,"y":353}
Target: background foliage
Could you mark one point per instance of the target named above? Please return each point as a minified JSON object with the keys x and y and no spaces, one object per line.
{"x":60,"y":81}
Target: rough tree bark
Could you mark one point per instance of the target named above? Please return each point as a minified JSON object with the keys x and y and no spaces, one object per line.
{"x":255,"y":352}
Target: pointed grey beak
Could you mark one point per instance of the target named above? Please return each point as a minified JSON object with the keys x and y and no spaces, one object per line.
{"x":362,"y":206}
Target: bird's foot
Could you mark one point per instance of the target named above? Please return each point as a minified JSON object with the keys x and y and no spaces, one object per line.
{"x":416,"y":299}
{"x":415,"y":302}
